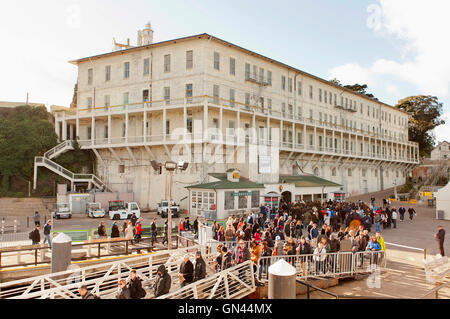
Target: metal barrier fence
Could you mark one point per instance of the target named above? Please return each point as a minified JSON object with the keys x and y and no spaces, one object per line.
{"x":101,"y":279}
{"x":341,"y":264}
{"x":234,"y":282}
{"x":13,"y":239}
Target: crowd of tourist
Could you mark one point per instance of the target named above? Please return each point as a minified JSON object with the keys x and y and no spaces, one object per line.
{"x":313,"y":228}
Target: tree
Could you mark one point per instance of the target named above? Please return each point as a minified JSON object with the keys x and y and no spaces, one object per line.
{"x":358,"y":88}
{"x":77,"y":159}
{"x":361,"y":89}
{"x":425,"y":111}
{"x":25,"y":132}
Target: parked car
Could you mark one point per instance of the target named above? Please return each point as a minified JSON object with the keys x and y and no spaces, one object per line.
{"x":62,"y":211}
{"x":94,"y":210}
{"x":163,"y":206}
{"x":118,"y":209}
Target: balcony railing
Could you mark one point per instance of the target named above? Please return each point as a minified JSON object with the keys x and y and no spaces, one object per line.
{"x":200,"y":100}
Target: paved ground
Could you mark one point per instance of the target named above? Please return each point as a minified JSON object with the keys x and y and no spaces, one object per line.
{"x":83,"y":222}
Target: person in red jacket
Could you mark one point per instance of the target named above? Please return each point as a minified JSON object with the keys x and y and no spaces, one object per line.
{"x":138,"y":235}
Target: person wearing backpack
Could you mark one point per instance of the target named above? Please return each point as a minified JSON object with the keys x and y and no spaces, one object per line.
{"x":135,"y":286}
{"x":47,"y":229}
{"x":35,"y":236}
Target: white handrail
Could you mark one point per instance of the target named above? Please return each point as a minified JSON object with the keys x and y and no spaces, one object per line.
{"x":102,"y":279}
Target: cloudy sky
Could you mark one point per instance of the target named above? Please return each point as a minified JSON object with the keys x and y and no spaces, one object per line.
{"x":399,"y":48}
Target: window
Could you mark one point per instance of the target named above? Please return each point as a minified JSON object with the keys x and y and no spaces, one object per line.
{"x":349,"y":172}
{"x":189,"y":124}
{"x":189,"y":59}
{"x":316,"y":171}
{"x":299,"y":138}
{"x":310,"y":92}
{"x":107,"y":73}
{"x":216,"y":94}
{"x":255,"y":199}
{"x":320,"y":95}
{"x":89,"y":102}
{"x":167,"y":63}
{"x":167,"y":94}
{"x":89,"y":132}
{"x":261,"y":75}
{"x":269,"y":77}
{"x":229,"y":201}
{"x":247,"y":99}
{"x":232,"y":66}
{"x":247,"y":71}
{"x":283,"y":82}
{"x":363,"y":172}
{"x":331,"y":98}
{"x":325,"y":95}
{"x":242,"y":202}
{"x":168,"y":127}
{"x":105,"y":135}
{"x":126,"y":70}
{"x":310,"y":114}
{"x":311,"y":140}
{"x":290,"y":85}
{"x":299,"y":88}
{"x":189,"y":92}
{"x":145,"y":95}
{"x":232,"y":97}
{"x":269,"y":105}
{"x":124,"y":129}
{"x":107,"y":101}
{"x":335,"y":99}
{"x":216,"y":60}
{"x":146,"y":66}
{"x":333,"y":171}
{"x":121,"y":168}
{"x":126,"y":98}
{"x":90,"y":76}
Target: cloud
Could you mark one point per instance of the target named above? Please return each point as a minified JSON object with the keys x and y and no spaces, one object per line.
{"x":442,"y":132}
{"x":420,"y":29}
{"x":352,"y":73}
{"x":391,"y":88}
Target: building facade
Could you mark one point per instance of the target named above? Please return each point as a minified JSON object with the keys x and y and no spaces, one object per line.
{"x":441,"y":152}
{"x":220,"y":106}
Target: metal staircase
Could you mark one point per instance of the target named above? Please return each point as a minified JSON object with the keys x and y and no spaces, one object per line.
{"x":59,"y":149}
{"x":45,"y":161}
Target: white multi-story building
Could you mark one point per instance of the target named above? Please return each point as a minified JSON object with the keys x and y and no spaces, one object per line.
{"x":133,"y":102}
{"x":441,"y":152}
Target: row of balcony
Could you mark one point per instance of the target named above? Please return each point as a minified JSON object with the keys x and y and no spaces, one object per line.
{"x":227,"y":104}
{"x":243,"y":141}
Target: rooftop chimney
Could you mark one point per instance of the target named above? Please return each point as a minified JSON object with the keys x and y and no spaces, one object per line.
{"x":145,"y":36}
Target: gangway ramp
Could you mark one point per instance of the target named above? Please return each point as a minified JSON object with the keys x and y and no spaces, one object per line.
{"x":101,"y":279}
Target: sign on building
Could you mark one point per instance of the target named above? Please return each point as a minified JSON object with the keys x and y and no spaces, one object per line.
{"x":264,"y":164}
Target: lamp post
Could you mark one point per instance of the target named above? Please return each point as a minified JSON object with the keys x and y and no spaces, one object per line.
{"x":170,"y":167}
{"x":395,"y":189}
